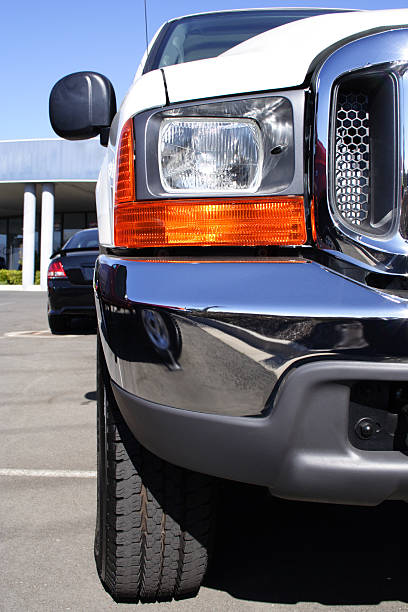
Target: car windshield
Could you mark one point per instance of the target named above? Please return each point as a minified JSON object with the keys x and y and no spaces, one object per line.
{"x":87,"y":239}
{"x":203,"y":36}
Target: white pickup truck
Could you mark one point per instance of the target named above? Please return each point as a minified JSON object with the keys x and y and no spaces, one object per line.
{"x":252,"y":282}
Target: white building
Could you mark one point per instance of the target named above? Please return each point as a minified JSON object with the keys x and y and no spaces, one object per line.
{"x":47,"y":193}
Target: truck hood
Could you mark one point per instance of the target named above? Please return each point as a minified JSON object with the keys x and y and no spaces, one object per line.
{"x":277,"y":59}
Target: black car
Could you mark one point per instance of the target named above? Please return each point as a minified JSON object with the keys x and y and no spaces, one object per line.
{"x":70,"y":276}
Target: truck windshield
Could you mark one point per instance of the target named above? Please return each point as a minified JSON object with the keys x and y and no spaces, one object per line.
{"x":203,"y":36}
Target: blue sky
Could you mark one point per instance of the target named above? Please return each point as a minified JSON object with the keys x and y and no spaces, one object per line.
{"x":43,"y":40}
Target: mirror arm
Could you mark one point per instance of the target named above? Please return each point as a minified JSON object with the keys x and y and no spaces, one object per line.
{"x":104,"y":136}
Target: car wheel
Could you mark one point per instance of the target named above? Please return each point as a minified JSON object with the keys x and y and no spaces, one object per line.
{"x":154,"y":520}
{"x":58,"y":324}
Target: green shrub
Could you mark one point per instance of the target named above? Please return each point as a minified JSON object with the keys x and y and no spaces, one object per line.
{"x":11,"y":277}
{"x":15,"y":277}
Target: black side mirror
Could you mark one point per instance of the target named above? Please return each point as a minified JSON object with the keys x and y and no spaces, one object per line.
{"x":82,"y":105}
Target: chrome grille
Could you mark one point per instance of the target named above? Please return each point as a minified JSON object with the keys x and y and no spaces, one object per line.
{"x":352,"y":155}
{"x":367,"y":202}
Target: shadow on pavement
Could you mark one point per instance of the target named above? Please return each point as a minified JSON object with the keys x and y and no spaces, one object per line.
{"x":278,"y":551}
{"x":91,"y":395}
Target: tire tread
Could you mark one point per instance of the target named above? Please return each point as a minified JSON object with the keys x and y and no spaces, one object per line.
{"x":158,"y":522}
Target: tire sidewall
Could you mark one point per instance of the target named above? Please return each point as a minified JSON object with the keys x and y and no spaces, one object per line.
{"x":100,"y":528}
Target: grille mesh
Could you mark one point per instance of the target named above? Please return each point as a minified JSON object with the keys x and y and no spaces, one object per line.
{"x":352,"y":183}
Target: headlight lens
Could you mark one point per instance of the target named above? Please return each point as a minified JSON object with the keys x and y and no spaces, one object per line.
{"x":210,"y":155}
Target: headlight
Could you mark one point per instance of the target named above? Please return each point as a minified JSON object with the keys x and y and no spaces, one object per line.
{"x":210,"y":155}
{"x":230,"y":147}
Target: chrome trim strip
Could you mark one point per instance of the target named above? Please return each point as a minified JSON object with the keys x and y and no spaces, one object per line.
{"x":404,"y":151}
{"x":386,"y":48}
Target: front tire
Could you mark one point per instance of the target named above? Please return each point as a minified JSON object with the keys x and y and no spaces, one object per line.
{"x":154,"y":520}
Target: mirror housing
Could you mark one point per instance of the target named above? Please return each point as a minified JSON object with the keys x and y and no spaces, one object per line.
{"x":82,"y":105}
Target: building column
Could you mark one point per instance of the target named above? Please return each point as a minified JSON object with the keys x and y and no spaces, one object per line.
{"x":47,"y":230}
{"x":29,"y":235}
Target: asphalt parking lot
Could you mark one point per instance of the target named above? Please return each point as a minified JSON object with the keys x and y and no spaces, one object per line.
{"x":268,"y":553}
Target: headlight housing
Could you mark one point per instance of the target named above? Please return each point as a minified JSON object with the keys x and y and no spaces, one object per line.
{"x":221,"y":148}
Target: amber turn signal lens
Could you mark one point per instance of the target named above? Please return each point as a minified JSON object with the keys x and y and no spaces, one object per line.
{"x":125,"y":168}
{"x":211,"y":222}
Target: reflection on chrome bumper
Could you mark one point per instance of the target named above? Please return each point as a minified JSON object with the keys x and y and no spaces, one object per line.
{"x":217,"y":337}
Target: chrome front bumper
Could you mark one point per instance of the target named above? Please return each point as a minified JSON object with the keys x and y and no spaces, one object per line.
{"x":236,"y":328}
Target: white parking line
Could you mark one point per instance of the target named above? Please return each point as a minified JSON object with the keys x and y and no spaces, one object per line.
{"x":48,"y":473}
{"x":41,"y":333}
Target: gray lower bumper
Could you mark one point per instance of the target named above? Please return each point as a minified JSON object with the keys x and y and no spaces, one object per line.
{"x":300,"y":449}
